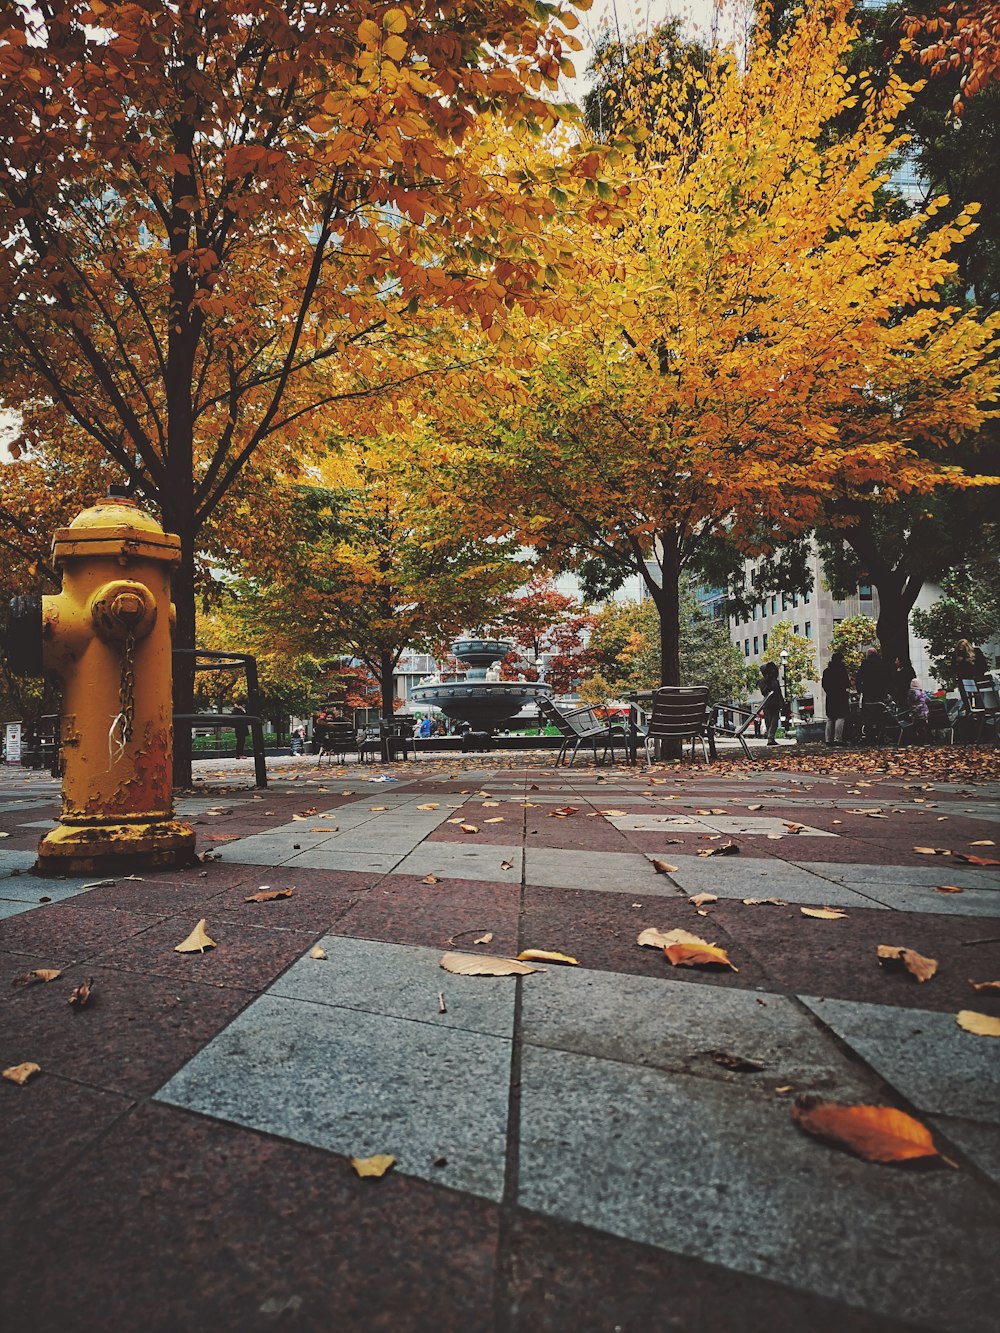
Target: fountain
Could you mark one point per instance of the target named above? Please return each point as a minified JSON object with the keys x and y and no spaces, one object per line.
{"x":478,"y":696}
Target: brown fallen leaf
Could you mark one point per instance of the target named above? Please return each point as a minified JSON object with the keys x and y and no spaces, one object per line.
{"x":487,"y":805}
{"x":35,"y":975}
{"x":222,"y":837}
{"x":378,"y":807}
{"x":324,"y":830}
{"x":547,"y":956}
{"x":764,"y":902}
{"x":563,"y":812}
{"x":727,"y":849}
{"x":614,"y":814}
{"x":506,"y":865}
{"x":484,"y":939}
{"x":497,"y":819}
{"x":874,"y":1133}
{"x":700,"y":899}
{"x":197,"y":942}
{"x":739,"y":1064}
{"x":947,"y":888}
{"x":482,"y":965}
{"x":700,"y":954}
{"x":981,"y":1025}
{"x":431,"y":879}
{"x":317,"y":952}
{"x":793,"y":827}
{"x":373,"y":1168}
{"x":932,"y":851}
{"x":664,"y":867}
{"x":268,"y":895}
{"x":79,"y":996}
{"x":915,"y":963}
{"x":985,"y":985}
{"x":429,"y":805}
{"x":470,"y":828}
{"x":969,"y":860}
{"x":823,"y":913}
{"x":22,"y":1072}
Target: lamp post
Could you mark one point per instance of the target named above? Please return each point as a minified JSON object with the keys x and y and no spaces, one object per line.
{"x":784,"y":674}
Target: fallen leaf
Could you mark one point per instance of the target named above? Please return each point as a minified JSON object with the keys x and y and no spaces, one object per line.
{"x":506,"y":865}
{"x":664,"y":867}
{"x":101,"y":884}
{"x":482,"y":965}
{"x":755,"y":807}
{"x":197,"y":942}
{"x":774,"y":837}
{"x":490,"y":805}
{"x":4,"y":835}
{"x":546,"y":956}
{"x":324,"y":830}
{"x":430,"y":879}
{"x":220,"y":837}
{"x":824,"y":913}
{"x":429,"y":805}
{"x":700,"y":899}
{"x":764,"y":902}
{"x":985,"y":985}
{"x":21,"y":1073}
{"x":874,"y":1133}
{"x":739,"y":1064}
{"x":563,"y":812}
{"x":79,"y":996}
{"x":373,"y":1167}
{"x":983,"y":842}
{"x":932,"y":851}
{"x":615,"y":814}
{"x":915,"y":963}
{"x":470,"y":828}
{"x":660,"y":939}
{"x":317,"y":952}
{"x":727,"y":849}
{"x":975,"y":860}
{"x":982,"y":1025}
{"x":947,"y":888}
{"x":700,"y":954}
{"x":35,"y":975}
{"x":268,"y":895}
{"x":484,"y":939}
{"x":375,"y":807}
{"x":497,"y":819}
{"x":793,"y":827}
{"x":785,"y":1087}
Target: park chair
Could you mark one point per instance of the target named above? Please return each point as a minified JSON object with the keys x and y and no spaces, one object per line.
{"x":336,"y":739}
{"x":387,"y":739}
{"x":941,"y":719}
{"x":680,"y":712}
{"x":581,"y":726}
{"x":735,"y":721}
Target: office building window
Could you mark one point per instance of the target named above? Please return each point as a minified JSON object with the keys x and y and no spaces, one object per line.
{"x":809,"y":629}
{"x":755,"y":611}
{"x":805,"y":597}
{"x":795,"y":629}
{"x":774,"y":605}
{"x":795,"y":599}
{"x":746,"y":647}
{"x":765,"y":643}
{"x":756,"y":646}
{"x":784,"y":602}
{"x":865,"y":591}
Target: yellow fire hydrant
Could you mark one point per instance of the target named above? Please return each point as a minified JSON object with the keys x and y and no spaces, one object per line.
{"x":107,"y":635}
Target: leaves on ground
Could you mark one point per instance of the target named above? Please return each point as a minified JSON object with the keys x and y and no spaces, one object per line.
{"x":222,"y":837}
{"x":874,"y":1133}
{"x":984,"y":985}
{"x":823,"y":913}
{"x":547,"y":956}
{"x":981,"y":1025}
{"x":975,"y":860}
{"x":506,"y":865}
{"x":470,"y":828}
{"x":197,"y":942}
{"x":563,"y":812}
{"x":373,"y":1168}
{"x":727,"y":849}
{"x":266,"y":895}
{"x":701,"y":899}
{"x":79,"y":996}
{"x":429,"y":805}
{"x":792,"y":827}
{"x":652,"y":938}
{"x":483,"y":965}
{"x":764,"y":902}
{"x":431,"y":879}
{"x":664,"y":867}
{"x":947,"y":888}
{"x":697,"y":953}
{"x":484,"y":939}
{"x":22,"y":1072}
{"x":497,"y":819}
{"x":37,"y":974}
{"x":317,"y":952}
{"x":739,"y":1064}
{"x":915,"y":963}
{"x":932,"y":851}
{"x":614,"y":814}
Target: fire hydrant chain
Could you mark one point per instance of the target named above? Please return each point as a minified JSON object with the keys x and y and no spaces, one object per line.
{"x":126,"y":690}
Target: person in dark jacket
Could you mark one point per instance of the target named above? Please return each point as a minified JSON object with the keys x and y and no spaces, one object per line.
{"x":899,"y":682}
{"x":873,"y":686}
{"x":836,"y":686}
{"x":774,"y":700}
{"x":968,"y":663}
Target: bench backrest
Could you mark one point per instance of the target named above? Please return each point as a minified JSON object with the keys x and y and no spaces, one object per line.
{"x":679,"y":711}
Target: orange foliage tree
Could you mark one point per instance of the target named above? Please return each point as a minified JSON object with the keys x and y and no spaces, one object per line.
{"x":963,"y":35}
{"x":220,"y":219}
{"x":747,"y":336}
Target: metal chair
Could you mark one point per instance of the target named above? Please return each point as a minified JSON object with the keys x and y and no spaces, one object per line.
{"x":386,"y":740}
{"x":681,"y":712}
{"x":336,"y":740}
{"x":579,"y":726}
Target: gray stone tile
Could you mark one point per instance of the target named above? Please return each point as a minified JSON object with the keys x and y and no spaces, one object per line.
{"x":922,"y":898}
{"x":359,"y":1083}
{"x":606,"y":872}
{"x":721,"y":1173}
{"x":673,"y":1025}
{"x":980,"y":1143}
{"x":33,"y":888}
{"x":329,"y":858}
{"x":459,"y":860}
{"x":939,"y":870}
{"x":11,"y":908}
{"x":936,"y":1065}
{"x":758,"y":877}
{"x":657,"y":823}
{"x":400,"y":980}
{"x":13,"y":860}
{"x":39,"y":823}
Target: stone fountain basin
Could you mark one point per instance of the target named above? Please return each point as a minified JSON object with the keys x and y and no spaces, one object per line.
{"x":483,"y":703}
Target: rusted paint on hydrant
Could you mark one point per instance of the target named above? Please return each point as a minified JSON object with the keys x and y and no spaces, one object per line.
{"x":107,"y":636}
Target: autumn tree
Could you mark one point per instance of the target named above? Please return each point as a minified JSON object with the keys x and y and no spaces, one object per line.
{"x":852,"y":637}
{"x":747,"y":338}
{"x":963,"y":36}
{"x":220,"y":220}
{"x":544,"y":622}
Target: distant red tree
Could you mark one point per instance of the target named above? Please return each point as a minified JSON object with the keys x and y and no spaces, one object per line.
{"x":545,"y":622}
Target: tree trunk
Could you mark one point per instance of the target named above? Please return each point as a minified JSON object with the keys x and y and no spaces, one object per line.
{"x":667,"y":601}
{"x":385,"y":664}
{"x":895,"y":602}
{"x":184,"y":638}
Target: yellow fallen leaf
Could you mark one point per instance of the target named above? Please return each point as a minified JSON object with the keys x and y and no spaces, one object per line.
{"x":506,"y":865}
{"x":498,"y":819}
{"x":376,"y":807}
{"x":546,"y":956}
{"x":470,"y":828}
{"x":664,"y":867}
{"x":373,"y":1167}
{"x":484,"y":939}
{"x":490,"y":805}
{"x":317,"y":952}
{"x":983,"y":842}
{"x":874,"y":1133}
{"x":429,"y":805}
{"x":700,"y":899}
{"x":482,"y":965}
{"x":197,"y":942}
{"x":824,"y":913}
{"x":21,"y":1073}
{"x":430,"y":879}
{"x":982,"y":1025}
{"x":700,"y":954}
{"x":915,"y":963}
{"x":268,"y":895}
{"x":614,"y":814}
{"x":932,"y":851}
{"x":651,"y":938}
{"x":324,"y":830}
{"x":947,"y":888}
{"x":35,"y":975}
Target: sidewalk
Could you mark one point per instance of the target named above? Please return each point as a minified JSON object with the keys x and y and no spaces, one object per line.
{"x":577,"y":1148}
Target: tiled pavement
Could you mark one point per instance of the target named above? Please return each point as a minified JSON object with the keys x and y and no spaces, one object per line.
{"x":570,"y":1152}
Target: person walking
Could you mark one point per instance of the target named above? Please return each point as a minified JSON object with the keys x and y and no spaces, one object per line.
{"x":836,"y":686}
{"x":774,"y":700}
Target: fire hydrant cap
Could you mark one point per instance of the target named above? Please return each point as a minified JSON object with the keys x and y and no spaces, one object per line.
{"x":116,"y":527}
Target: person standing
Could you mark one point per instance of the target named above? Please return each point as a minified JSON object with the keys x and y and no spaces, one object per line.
{"x":241,"y":729}
{"x":774,"y":700}
{"x":899,"y":684}
{"x":873,"y":686}
{"x":836,"y":687}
